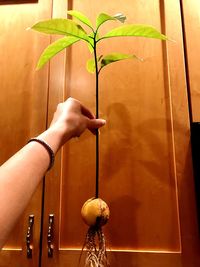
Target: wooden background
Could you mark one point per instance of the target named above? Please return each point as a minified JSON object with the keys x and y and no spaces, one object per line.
{"x":145,"y":158}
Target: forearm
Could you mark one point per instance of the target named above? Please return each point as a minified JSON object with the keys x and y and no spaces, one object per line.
{"x":19,"y":178}
{"x":20,"y":175}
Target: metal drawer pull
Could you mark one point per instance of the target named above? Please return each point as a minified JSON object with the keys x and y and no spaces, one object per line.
{"x":29,"y":236}
{"x":50,"y":236}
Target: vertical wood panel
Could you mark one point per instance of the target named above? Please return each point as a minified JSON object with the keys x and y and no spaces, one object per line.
{"x":23,"y":106}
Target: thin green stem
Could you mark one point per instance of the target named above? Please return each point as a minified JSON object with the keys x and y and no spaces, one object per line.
{"x":97,"y":116}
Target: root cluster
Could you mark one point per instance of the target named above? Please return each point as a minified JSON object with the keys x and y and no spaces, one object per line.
{"x":96,"y":248}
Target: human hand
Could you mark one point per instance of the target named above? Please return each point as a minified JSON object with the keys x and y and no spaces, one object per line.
{"x":72,"y":119}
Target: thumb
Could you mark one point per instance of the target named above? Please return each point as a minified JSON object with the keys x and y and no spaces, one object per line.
{"x":94,"y":124}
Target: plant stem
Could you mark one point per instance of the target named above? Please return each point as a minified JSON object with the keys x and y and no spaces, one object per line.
{"x":97,"y":116}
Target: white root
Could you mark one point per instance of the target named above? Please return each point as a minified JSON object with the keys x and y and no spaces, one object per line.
{"x":96,"y":253}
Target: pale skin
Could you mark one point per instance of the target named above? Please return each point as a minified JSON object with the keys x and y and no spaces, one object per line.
{"x":21,"y":174}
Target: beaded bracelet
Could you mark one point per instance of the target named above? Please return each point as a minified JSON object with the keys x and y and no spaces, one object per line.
{"x":48,"y":148}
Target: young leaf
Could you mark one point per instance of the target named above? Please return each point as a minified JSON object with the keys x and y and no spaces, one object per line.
{"x":61,"y":27}
{"x":114,"y":57}
{"x":80,"y":17}
{"x":90,"y":65}
{"x":90,"y":47}
{"x":91,"y":42}
{"x":103,"y":18}
{"x":55,"y":48}
{"x":135,"y":30}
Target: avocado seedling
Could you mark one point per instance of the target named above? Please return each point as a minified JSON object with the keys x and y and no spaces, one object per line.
{"x":95,"y":211}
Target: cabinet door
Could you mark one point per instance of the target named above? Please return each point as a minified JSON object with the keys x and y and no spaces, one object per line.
{"x":23,"y":105}
{"x":145,"y":159}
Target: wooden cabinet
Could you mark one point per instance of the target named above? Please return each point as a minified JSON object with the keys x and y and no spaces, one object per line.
{"x":145,"y":159}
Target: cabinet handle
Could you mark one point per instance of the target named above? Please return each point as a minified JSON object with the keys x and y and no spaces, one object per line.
{"x":50,"y":236}
{"x":29,"y":236}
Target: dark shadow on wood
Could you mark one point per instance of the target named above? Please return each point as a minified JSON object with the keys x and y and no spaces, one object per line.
{"x":15,"y":2}
{"x":195,"y":140}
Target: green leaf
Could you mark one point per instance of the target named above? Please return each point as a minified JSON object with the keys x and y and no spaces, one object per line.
{"x":61,"y":27}
{"x":114,"y":57}
{"x":103,"y":18}
{"x":80,"y":17}
{"x":90,"y":47}
{"x":108,"y":59}
{"x":91,"y":42}
{"x":55,"y":48}
{"x":135,"y":30}
{"x":90,"y":65}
